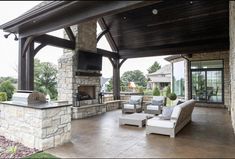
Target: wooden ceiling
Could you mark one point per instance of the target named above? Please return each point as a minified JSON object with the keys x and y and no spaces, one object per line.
{"x":185,"y":27}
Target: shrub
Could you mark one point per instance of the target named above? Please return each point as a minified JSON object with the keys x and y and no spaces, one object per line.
{"x":140,"y":89}
{"x":7,"y":87}
{"x":3,"y":96}
{"x":156,"y":91}
{"x":148,"y":92}
{"x":172,"y":96}
{"x":167,"y":90}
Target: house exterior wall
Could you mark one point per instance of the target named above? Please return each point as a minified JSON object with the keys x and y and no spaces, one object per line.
{"x":232,"y":58}
{"x":220,"y":55}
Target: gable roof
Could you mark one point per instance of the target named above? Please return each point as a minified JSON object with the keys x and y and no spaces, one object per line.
{"x":162,"y":71}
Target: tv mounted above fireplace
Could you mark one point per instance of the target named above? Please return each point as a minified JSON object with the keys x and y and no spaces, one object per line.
{"x":89,"y":61}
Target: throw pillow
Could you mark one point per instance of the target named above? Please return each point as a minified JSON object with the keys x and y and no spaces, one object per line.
{"x":166,"y":113}
{"x":157,"y":102}
{"x":131,"y":101}
{"x":179,"y":102}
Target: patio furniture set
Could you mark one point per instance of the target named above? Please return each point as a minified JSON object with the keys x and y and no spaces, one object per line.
{"x":157,"y":117}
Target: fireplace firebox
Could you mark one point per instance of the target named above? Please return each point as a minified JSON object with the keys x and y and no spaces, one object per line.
{"x":86,"y":92}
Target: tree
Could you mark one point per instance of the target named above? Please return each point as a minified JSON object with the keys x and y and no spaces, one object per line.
{"x":156,"y":66}
{"x":156,"y":91}
{"x":8,"y":88}
{"x":110,"y":85}
{"x":11,"y":79}
{"x":45,"y":78}
{"x":167,"y":90}
{"x":134,"y":76}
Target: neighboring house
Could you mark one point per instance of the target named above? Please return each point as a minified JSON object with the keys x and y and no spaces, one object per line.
{"x":104,"y":83}
{"x":161,"y":78}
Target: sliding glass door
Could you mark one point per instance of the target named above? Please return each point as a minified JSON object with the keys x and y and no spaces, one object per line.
{"x":207,"y":82}
{"x":214,"y":86}
{"x":199,"y":85}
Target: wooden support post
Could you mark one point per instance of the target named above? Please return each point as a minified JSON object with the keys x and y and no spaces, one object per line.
{"x":30,"y":67}
{"x":116,"y":76}
{"x":21,"y":66}
{"x":116,"y":79}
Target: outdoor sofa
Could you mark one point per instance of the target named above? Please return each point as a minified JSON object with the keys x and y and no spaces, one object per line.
{"x":180,"y":116}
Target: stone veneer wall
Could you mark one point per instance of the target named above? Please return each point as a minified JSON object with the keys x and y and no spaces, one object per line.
{"x":36,"y":128}
{"x":67,"y":80}
{"x":232,"y":58}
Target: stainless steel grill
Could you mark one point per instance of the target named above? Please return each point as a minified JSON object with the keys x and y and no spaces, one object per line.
{"x":28,"y":97}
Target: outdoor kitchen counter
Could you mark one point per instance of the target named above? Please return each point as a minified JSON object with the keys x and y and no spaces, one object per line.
{"x":40,"y":126}
{"x":47,"y":105}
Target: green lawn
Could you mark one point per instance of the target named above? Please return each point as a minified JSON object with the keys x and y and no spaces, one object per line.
{"x":41,"y":155}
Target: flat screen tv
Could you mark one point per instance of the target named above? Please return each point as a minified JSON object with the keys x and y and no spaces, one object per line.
{"x":89,"y":61}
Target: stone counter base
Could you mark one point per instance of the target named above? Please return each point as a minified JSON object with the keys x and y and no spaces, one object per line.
{"x":36,"y":128}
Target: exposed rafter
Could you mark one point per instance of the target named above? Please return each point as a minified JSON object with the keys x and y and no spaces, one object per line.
{"x":107,"y":53}
{"x":123,"y":60}
{"x":208,"y":45}
{"x":108,"y":35}
{"x":70,"y":34}
{"x":39,"y":47}
{"x":55,"y":41}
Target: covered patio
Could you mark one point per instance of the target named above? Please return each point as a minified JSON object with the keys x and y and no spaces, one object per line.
{"x":210,"y":134}
{"x":192,"y":30}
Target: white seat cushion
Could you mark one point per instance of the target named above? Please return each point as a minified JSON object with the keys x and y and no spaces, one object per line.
{"x":152,"y":107}
{"x":130,"y":106}
{"x":160,"y":123}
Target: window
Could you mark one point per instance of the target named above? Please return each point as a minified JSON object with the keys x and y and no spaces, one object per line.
{"x":207,"y":81}
{"x":178,"y":78}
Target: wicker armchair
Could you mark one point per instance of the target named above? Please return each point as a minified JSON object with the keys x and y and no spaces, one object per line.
{"x":151,"y":108}
{"x":134,"y":105}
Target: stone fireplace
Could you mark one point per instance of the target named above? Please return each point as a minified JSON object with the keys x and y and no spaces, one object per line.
{"x":72,"y":81}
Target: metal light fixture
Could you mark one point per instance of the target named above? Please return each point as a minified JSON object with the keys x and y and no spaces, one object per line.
{"x":15,"y":37}
{"x":155,"y":11}
{"x":7,"y":35}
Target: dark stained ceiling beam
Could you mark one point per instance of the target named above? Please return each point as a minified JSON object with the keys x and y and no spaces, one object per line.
{"x":101,"y":34}
{"x":38,"y":48}
{"x":108,"y":54}
{"x":192,"y":47}
{"x":70,"y":34}
{"x":71,"y":14}
{"x":55,"y":41}
{"x":108,"y":35}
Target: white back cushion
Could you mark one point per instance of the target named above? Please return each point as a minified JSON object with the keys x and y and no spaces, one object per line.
{"x":176,"y":112}
{"x":136,"y":98}
{"x":160,"y":98}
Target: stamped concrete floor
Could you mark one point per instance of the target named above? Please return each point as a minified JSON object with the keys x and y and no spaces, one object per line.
{"x":210,"y":134}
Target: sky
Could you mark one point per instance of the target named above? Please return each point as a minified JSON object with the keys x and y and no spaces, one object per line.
{"x":9,"y":47}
